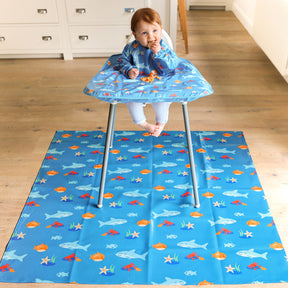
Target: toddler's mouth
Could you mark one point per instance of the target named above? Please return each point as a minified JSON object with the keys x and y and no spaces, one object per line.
{"x":150,"y":44}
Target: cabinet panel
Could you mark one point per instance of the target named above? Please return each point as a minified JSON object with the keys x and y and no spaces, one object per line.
{"x":19,"y":38}
{"x":28,"y":11}
{"x":108,"y":12}
{"x":99,"y":39}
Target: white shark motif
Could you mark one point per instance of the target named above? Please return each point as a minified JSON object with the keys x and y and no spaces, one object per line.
{"x":224,"y":150}
{"x":87,"y":188}
{"x":222,"y":221}
{"x":166,"y":213}
{"x":139,"y":150}
{"x":112,"y":222}
{"x":165,"y":164}
{"x":252,"y":254}
{"x":119,"y":171}
{"x":265,"y":215}
{"x":131,"y":255}
{"x":124,"y":133}
{"x":170,"y":281}
{"x":74,"y":166}
{"x":135,"y":194}
{"x":74,"y":245}
{"x":54,"y":151}
{"x":59,"y":214}
{"x":212,"y":170}
{"x":235,"y":193}
{"x":38,"y":195}
{"x":192,"y":244}
{"x":183,"y":186}
{"x":10,"y":255}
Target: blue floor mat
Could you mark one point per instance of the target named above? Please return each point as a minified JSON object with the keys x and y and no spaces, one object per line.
{"x":147,"y":232}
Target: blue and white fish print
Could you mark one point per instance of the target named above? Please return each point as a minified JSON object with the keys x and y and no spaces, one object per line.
{"x":148,"y":231}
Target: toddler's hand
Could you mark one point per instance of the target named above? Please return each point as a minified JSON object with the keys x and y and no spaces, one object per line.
{"x":155,"y":47}
{"x":133,"y":73}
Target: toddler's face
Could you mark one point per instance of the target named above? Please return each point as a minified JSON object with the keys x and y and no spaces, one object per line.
{"x":147,"y":33}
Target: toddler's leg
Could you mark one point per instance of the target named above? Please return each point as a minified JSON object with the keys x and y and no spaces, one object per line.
{"x":137,"y":113}
{"x":162,"y":112}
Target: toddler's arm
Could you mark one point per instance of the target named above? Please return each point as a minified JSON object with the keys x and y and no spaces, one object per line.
{"x":125,"y":63}
{"x":165,"y":60}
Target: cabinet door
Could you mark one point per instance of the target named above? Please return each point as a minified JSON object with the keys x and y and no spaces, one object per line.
{"x":271,"y":31}
{"x":28,"y":11}
{"x":19,"y":39}
{"x":107,"y":12}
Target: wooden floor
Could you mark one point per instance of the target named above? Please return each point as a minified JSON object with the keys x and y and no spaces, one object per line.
{"x":39,"y":97}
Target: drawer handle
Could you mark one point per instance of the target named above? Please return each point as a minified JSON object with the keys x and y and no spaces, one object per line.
{"x":2,"y":39}
{"x":129,"y":10}
{"x":83,"y":37}
{"x":80,"y":10}
{"x":46,"y":38}
{"x":42,"y":11}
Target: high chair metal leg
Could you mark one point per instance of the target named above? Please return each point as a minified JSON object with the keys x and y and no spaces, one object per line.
{"x":191,"y":156}
{"x":108,"y":144}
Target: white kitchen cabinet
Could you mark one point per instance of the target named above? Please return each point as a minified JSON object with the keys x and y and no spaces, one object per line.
{"x":73,"y":28}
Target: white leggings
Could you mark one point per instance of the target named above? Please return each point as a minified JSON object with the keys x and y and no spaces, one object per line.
{"x":137,"y":112}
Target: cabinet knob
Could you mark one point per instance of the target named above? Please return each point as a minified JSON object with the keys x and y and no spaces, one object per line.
{"x":2,"y":39}
{"x":83,"y":37}
{"x":42,"y":11}
{"x":129,"y":10}
{"x":46,"y":38}
{"x":80,"y":10}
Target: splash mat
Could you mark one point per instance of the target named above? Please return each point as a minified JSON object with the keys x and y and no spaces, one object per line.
{"x":147,"y":231}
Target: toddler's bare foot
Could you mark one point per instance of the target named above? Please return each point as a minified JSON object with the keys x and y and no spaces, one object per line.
{"x":159,"y":129}
{"x":149,"y":127}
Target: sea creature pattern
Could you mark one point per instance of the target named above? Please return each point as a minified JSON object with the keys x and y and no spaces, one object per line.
{"x":148,"y":221}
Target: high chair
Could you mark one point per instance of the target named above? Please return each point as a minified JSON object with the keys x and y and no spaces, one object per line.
{"x":203,"y":87}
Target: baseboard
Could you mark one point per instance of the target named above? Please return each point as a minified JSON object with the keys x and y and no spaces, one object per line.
{"x":243,"y":18}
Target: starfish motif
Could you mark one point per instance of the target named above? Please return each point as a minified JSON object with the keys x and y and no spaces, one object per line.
{"x":21,"y":235}
{"x":233,"y":180}
{"x":59,"y":141}
{"x":216,"y":204}
{"x":190,"y":226}
{"x":229,"y":269}
{"x":141,"y":140}
{"x":78,"y":154}
{"x":113,"y":204}
{"x":78,"y":226}
{"x":43,"y":180}
{"x":165,"y":152}
{"x":168,"y":259}
{"x":166,"y":197}
{"x":119,"y":158}
{"x":90,"y":174}
{"x":138,"y":179}
{"x":135,"y":234}
{"x":181,"y":135}
{"x":45,"y":260}
{"x":64,"y":198}
{"x":185,"y":173}
{"x":248,"y":234}
{"x":104,"y":270}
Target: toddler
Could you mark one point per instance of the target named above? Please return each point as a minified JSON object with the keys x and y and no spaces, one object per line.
{"x":148,"y":53}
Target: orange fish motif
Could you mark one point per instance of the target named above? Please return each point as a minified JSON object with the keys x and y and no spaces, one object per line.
{"x":98,"y":166}
{"x":145,"y":171}
{"x":66,"y":135}
{"x":227,"y":134}
{"x":276,"y":246}
{"x":115,"y":151}
{"x":74,"y":147}
{"x":205,"y":282}
{"x":159,"y":146}
{"x":201,"y":150}
{"x":52,"y":173}
{"x":257,"y":188}
{"x":108,"y":195}
{"x":60,"y":189}
{"x":208,"y":195}
{"x":146,"y":134}
{"x":41,"y":248}
{"x":196,"y":214}
{"x":143,"y":223}
{"x":252,"y":223}
{"x":159,"y":188}
{"x":97,"y":257}
{"x":238,"y":172}
{"x":219,"y":255}
{"x":88,"y":215}
{"x":32,"y":224}
{"x":159,"y":246}
{"x":243,"y":147}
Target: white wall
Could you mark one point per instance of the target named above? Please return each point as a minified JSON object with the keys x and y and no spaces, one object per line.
{"x":245,"y":12}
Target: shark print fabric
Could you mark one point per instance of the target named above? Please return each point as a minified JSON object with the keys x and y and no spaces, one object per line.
{"x":148,"y":231}
{"x":184,"y":83}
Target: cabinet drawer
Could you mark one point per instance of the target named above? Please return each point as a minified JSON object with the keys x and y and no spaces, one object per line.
{"x":28,"y":11}
{"x":99,"y":39}
{"x":108,"y":12}
{"x":18,"y":38}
